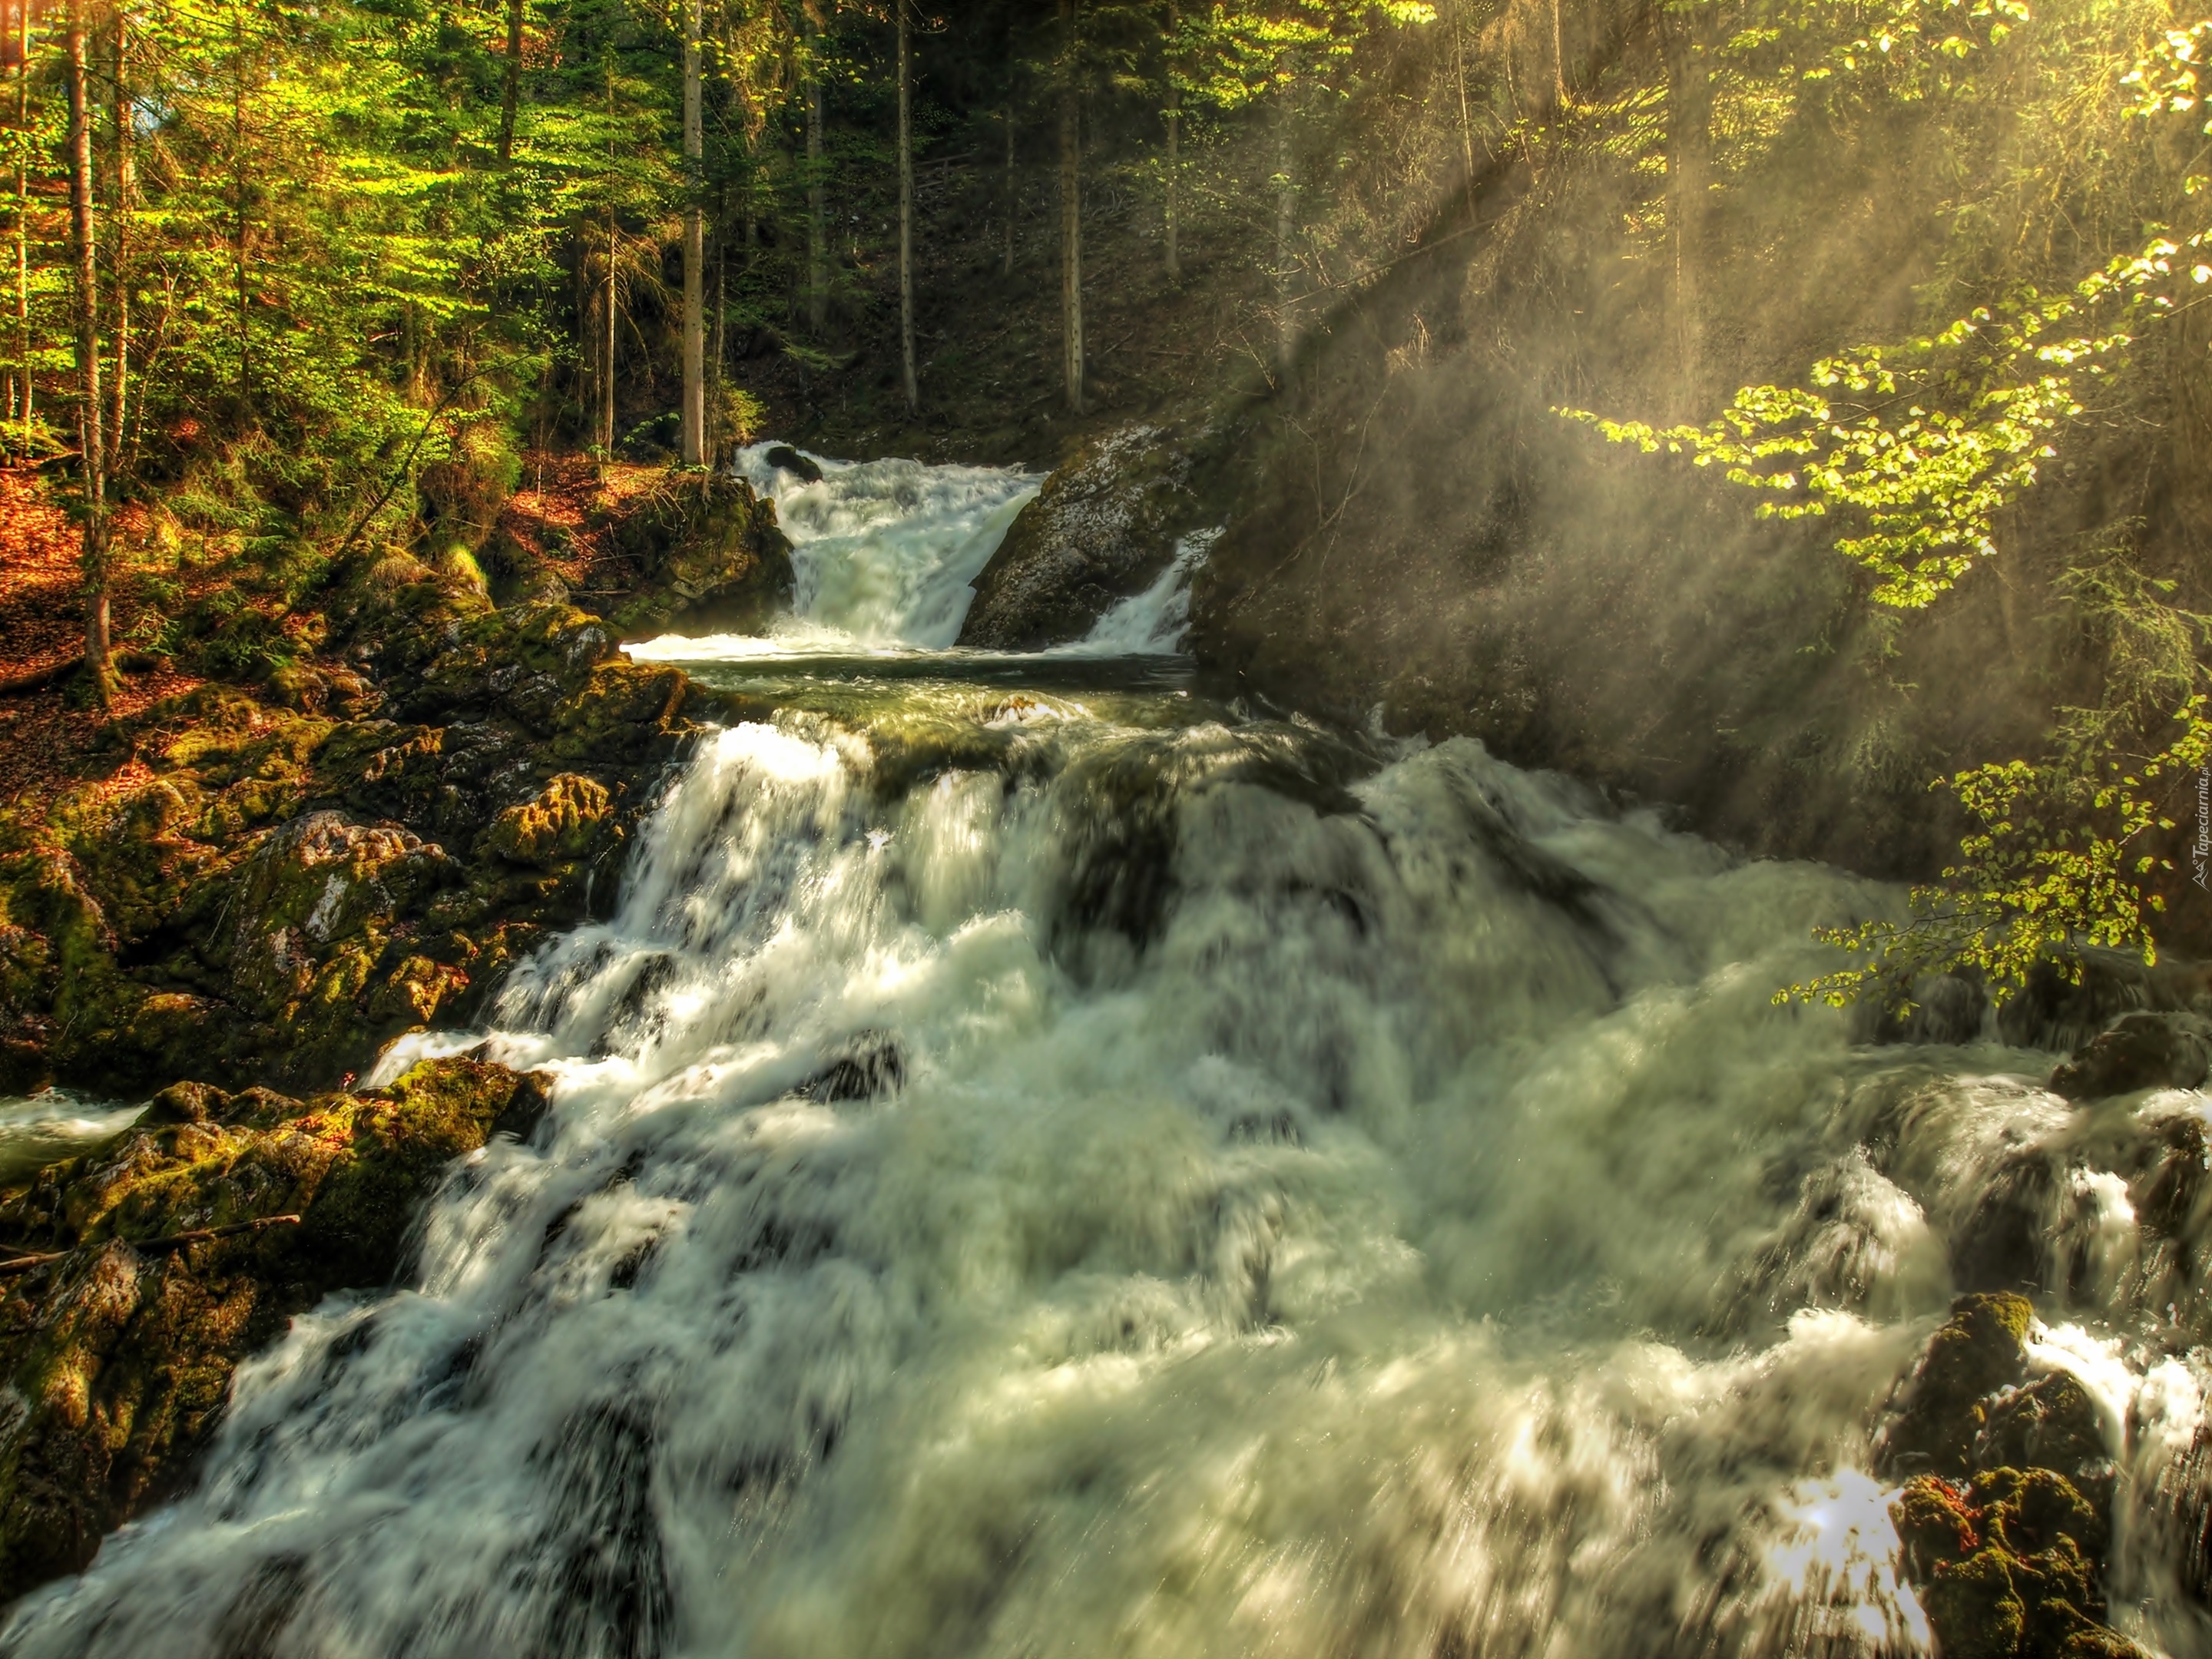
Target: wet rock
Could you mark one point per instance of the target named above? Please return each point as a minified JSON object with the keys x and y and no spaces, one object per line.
{"x":2005,"y":1540}
{"x":874,"y":1067}
{"x":2141,"y":1050}
{"x":119,"y":1350}
{"x":785,"y":458}
{"x":1981,"y":1350}
{"x":1103,"y":527}
{"x":2052,"y":1424}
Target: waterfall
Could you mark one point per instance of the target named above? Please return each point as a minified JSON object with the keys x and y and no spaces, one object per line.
{"x":1082,"y":1168}
{"x":882,"y":552}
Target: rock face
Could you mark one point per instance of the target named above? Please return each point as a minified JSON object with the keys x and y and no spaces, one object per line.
{"x":2145,"y":1050}
{"x":119,"y":1347}
{"x":2005,"y":1518}
{"x":289,"y":888}
{"x":1104,"y":526}
{"x":713,"y":555}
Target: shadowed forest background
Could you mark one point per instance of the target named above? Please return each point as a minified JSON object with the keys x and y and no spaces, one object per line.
{"x":1895,"y":312}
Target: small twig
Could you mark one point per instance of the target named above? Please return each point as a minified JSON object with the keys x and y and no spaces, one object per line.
{"x":23,"y":1264}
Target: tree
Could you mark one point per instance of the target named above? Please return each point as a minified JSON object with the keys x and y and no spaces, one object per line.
{"x":906,"y":207}
{"x":1071,"y":204}
{"x":1686,"y":27}
{"x":92,"y":448}
{"x":818,"y":211}
{"x":694,"y":418}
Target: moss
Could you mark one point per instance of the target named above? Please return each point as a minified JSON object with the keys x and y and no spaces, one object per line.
{"x":711,"y":553}
{"x":1973,"y":1608}
{"x":438,"y":1111}
{"x":123,"y":1357}
{"x":1982,"y":1348}
{"x":566,"y":822}
{"x":622,"y":711}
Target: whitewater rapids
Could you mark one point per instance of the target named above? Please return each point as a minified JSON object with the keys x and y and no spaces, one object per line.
{"x":1047,"y":1161}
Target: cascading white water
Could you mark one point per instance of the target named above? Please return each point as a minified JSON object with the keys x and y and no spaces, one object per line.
{"x":1076,"y":1169}
{"x":39,"y":1129}
{"x":883,"y":552}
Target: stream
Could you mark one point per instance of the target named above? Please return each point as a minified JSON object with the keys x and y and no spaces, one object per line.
{"x":1049,"y":1159}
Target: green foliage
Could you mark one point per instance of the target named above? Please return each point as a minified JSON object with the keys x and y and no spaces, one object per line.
{"x":1233,"y":51}
{"x":1980,"y":403}
{"x":2054,"y":863}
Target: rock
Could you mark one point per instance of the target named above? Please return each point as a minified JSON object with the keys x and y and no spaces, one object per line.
{"x":713,"y":557}
{"x":290,"y":889}
{"x":1103,"y":527}
{"x":2006,"y":1543}
{"x":120,"y":1354}
{"x":566,"y":822}
{"x":785,"y":458}
{"x":2052,"y":1424}
{"x":1981,"y":1350}
{"x":873,"y":1067}
{"x":2141,"y":1050}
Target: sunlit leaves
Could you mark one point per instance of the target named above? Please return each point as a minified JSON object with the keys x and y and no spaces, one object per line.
{"x":2056,"y":862}
{"x":1919,"y":447}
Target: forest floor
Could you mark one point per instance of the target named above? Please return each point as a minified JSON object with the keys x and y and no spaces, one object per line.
{"x":50,"y":737}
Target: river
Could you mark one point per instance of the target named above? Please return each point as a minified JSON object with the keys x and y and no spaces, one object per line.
{"x":1048,"y":1159}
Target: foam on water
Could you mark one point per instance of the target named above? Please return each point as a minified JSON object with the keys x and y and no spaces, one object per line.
{"x":36,"y":1130}
{"x":883,"y":552}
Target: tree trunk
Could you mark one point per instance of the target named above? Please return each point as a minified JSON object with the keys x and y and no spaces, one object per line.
{"x":1013,"y":200}
{"x":694,"y":251}
{"x":906,"y":208}
{"x":718,"y":342}
{"x":1286,"y":205}
{"x":119,"y":217}
{"x":1559,"y":62}
{"x":2180,"y":153}
{"x":1466,"y":122}
{"x":238,"y":201}
{"x":1071,"y":209}
{"x":26,"y":395}
{"x":1171,"y":229}
{"x":817,"y":219}
{"x":1689,"y":185}
{"x":91,"y":444}
{"x":606,"y":435}
{"x":510,"y":92}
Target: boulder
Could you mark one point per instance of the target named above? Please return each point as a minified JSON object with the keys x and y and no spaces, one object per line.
{"x":1103,"y":528}
{"x":2005,"y":1516}
{"x":141,"y":1274}
{"x":1980,"y":1350}
{"x":784,"y":458}
{"x":2141,"y":1050}
{"x":711,"y":555}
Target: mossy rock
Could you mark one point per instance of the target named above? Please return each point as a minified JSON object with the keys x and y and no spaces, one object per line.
{"x":712,"y":555}
{"x":625,"y":711}
{"x":122,"y":1350}
{"x":569,"y":820}
{"x":2141,"y":1050}
{"x":1981,"y":1349}
{"x":2007,"y":1546}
